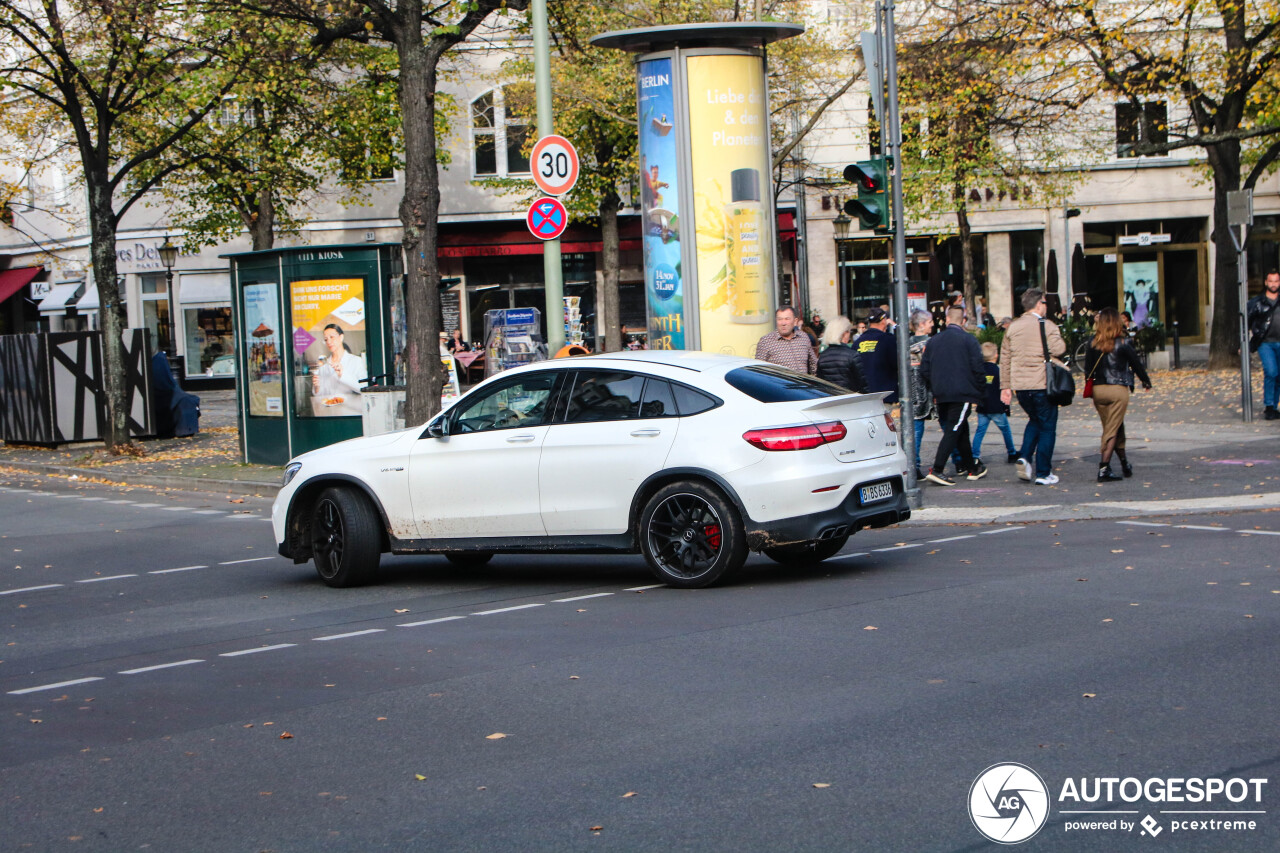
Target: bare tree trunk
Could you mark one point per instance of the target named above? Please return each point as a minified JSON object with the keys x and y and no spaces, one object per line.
{"x":966,"y":261}
{"x":112,"y":311}
{"x":1224,"y":330}
{"x":419,"y":215}
{"x":263,"y":227}
{"x":608,"y":313}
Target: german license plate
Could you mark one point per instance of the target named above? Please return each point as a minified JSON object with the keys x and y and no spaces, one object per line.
{"x":877,"y":492}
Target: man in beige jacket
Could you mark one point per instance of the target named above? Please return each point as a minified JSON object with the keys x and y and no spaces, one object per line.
{"x":1022,"y":370}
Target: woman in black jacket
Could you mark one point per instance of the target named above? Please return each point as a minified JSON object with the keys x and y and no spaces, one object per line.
{"x":1111,"y":361}
{"x":839,"y":361}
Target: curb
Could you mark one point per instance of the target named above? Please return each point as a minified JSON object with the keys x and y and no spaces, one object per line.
{"x":1092,"y":510}
{"x":194,"y":484}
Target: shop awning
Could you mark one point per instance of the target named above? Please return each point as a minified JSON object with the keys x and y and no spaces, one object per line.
{"x":62,"y":295}
{"x":11,"y":281}
{"x":204,"y":287}
{"x":90,"y":301}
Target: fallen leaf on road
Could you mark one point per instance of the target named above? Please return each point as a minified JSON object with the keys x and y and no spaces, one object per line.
{"x":1248,"y":616}
{"x":402,"y":610}
{"x":573,"y":678}
{"x":1082,"y":580}
{"x":628,"y":794}
{"x":1089,"y":695}
{"x":235,"y":500}
{"x":380,"y":719}
{"x":285,"y":736}
{"x":419,"y":777}
{"x":822,"y":784}
{"x":1117,"y":550}
{"x":871,"y":628}
{"x":596,"y":828}
{"x":1108,"y":620}
{"x":495,"y":736}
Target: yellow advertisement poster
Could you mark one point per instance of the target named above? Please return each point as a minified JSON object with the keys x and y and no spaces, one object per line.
{"x":329,"y":346}
{"x":729,"y":138}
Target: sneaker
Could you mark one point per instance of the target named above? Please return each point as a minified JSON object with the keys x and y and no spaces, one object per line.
{"x":1106,"y":475}
{"x":1050,"y":480}
{"x":1013,"y":457}
{"x":1024,"y":468}
{"x":940,"y":478}
{"x":979,"y":471}
{"x":1271,"y":414}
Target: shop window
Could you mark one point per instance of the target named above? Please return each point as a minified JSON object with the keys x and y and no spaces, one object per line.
{"x":210,"y":345}
{"x":1145,"y":123}
{"x":1099,"y":234}
{"x":155,"y":310}
{"x":500,"y":129}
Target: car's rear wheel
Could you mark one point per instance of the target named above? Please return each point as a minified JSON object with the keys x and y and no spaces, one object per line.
{"x":345,"y":538}
{"x":469,"y":559}
{"x":806,"y":553}
{"x":690,"y":534}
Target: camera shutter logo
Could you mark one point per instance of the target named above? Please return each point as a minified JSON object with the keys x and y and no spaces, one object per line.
{"x":1008,"y":803}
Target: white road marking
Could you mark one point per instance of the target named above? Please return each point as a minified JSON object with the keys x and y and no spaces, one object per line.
{"x":1143,"y":523}
{"x":180,"y":569}
{"x":177,"y":509}
{"x":160,"y":666}
{"x":122,"y":501}
{"x":581,"y":597}
{"x":144,"y":506}
{"x":898,"y":547}
{"x":1202,"y":527}
{"x":30,"y":589}
{"x":850,"y":556}
{"x":72,"y":496}
{"x":53,"y":686}
{"x":1260,"y":532}
{"x":244,"y":517}
{"x":506,"y":609}
{"x":953,"y":538}
{"x":111,"y":578}
{"x":250,"y":560}
{"x":430,"y":621}
{"x":643,"y":588}
{"x":255,"y":651}
{"x":1000,"y":530}
{"x":208,"y":512}
{"x":350,"y":634}
{"x":93,"y":499}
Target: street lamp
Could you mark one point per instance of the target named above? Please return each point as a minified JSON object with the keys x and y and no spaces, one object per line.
{"x":168,"y":257}
{"x":841,"y":225}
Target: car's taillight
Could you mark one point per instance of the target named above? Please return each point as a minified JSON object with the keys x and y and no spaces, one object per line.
{"x":888,"y":418}
{"x":796,"y":437}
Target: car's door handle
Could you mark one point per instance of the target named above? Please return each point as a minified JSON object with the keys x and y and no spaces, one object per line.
{"x":646,"y":433}
{"x":520,"y":439}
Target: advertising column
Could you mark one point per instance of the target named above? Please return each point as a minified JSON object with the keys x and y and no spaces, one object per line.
{"x":660,"y":205}
{"x":729,"y":141}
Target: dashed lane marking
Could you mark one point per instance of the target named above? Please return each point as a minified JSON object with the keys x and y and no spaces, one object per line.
{"x":898,"y":547}
{"x":179,"y":569}
{"x":431,"y":621}
{"x":1143,"y":523}
{"x":208,"y":512}
{"x":92,"y":499}
{"x":249,"y":560}
{"x":145,"y":506}
{"x":1260,"y":532}
{"x":30,"y":589}
{"x":850,"y":556}
{"x":1001,"y":530}
{"x":171,"y":665}
{"x":111,"y":578}
{"x":349,"y":634}
{"x":953,"y":538}
{"x":581,"y":597}
{"x":54,"y":686}
{"x":175,"y":509}
{"x":507,"y":609}
{"x":643,"y":588}
{"x":1203,"y":527}
{"x":258,"y":649}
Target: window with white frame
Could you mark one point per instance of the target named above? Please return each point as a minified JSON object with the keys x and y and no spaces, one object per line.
{"x":500,"y":127}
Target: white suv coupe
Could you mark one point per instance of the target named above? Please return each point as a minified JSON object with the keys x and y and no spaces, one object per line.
{"x":690,"y":458}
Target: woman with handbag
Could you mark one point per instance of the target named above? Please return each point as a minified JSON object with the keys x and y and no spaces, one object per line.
{"x":1110,"y":363}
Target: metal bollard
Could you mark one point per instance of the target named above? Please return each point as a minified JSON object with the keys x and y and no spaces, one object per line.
{"x":1177,"y":349}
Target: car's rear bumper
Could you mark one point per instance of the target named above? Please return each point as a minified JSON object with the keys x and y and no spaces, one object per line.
{"x":847,"y":518}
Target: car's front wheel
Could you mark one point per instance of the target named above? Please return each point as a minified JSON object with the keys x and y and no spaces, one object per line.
{"x":690,"y":534}
{"x":806,"y":553}
{"x":345,"y":538}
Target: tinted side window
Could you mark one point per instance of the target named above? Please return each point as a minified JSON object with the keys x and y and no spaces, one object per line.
{"x":604,"y":396}
{"x":690,"y":401}
{"x":658,"y":400}
{"x":776,"y":385}
{"x":521,"y":403}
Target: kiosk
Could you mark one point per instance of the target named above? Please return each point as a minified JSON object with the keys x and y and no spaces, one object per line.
{"x":313,"y":326}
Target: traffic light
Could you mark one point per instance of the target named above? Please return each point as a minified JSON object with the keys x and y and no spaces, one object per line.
{"x":872,"y":204}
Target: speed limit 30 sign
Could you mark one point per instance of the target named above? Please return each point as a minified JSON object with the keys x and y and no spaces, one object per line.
{"x":554,"y":162}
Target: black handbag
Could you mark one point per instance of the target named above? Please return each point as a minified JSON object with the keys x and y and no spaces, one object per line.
{"x":1059,"y":384}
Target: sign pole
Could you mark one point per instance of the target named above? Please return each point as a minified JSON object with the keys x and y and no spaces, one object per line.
{"x":551,"y":265}
{"x":1240,"y":212}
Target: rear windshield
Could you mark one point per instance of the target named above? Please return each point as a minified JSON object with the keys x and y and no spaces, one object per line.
{"x":779,"y":385}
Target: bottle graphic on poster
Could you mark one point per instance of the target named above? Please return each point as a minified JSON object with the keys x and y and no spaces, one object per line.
{"x":744,"y":237}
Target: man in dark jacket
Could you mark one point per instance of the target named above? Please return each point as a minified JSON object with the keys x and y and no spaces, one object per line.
{"x":1264,"y":339}
{"x":952,"y":367}
{"x":878,"y":352}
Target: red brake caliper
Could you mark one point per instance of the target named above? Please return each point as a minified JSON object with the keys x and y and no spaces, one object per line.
{"x":712,"y":532}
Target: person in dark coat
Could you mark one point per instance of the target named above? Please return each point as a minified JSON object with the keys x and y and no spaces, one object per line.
{"x":952,"y":366}
{"x":839,"y":362}
{"x":878,"y":349}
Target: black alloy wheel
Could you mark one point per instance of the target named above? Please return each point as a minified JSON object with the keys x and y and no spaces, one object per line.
{"x":691,"y":535}
{"x":345,"y":538}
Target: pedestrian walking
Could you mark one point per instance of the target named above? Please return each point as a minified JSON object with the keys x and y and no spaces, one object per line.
{"x":1024,"y":371}
{"x":992,"y":409}
{"x":839,"y":362}
{"x":787,"y":346}
{"x":952,"y":367}
{"x":1111,"y":361}
{"x":1264,"y":339}
{"x":878,"y":348}
{"x":923,"y":406}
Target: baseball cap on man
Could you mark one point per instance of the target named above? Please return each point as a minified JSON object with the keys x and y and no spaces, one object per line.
{"x":875,"y":315}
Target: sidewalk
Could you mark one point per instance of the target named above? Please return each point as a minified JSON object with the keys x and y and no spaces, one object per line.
{"x":1188,"y":446}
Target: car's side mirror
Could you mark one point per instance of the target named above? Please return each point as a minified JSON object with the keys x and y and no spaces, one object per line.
{"x":439,"y":428}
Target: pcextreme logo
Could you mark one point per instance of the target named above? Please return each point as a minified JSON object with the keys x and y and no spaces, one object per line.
{"x":1009,"y":803}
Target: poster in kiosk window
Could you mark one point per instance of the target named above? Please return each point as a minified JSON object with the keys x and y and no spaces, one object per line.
{"x":329,"y":346}
{"x":660,"y":205}
{"x":512,"y":337}
{"x":729,"y":140}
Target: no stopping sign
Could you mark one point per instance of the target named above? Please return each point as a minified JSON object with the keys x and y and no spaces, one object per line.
{"x":547,"y":219}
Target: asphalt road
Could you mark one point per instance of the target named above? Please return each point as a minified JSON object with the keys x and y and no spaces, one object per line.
{"x":168,"y":683}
